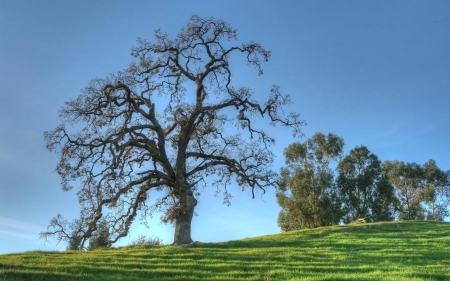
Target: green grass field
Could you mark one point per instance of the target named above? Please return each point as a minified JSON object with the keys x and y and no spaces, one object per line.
{"x":379,"y":251}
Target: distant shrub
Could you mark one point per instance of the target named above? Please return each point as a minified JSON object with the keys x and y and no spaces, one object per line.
{"x":143,"y":240}
{"x":74,"y":243}
{"x":100,"y":238}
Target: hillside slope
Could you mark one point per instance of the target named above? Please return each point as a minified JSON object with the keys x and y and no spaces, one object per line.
{"x":379,"y":251}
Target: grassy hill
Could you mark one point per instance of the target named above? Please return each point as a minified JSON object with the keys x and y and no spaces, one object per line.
{"x":379,"y":251}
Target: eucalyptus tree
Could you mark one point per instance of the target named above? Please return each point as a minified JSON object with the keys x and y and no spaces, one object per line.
{"x":408,"y":180}
{"x":163,"y":126}
{"x":308,"y":195}
{"x":424,"y":191}
{"x":364,"y":189}
{"x":436,"y":192}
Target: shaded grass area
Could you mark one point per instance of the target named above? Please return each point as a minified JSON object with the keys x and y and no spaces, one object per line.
{"x":377,"y":251}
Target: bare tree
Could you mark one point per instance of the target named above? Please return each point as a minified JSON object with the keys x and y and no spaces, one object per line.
{"x":130,"y":143}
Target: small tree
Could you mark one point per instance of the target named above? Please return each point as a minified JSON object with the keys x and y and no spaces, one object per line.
{"x":308,"y":195}
{"x":165,"y":124}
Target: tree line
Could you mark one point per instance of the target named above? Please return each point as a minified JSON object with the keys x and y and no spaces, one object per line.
{"x":321,"y":186}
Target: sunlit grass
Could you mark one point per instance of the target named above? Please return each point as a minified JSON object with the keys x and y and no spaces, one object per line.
{"x":379,"y":251}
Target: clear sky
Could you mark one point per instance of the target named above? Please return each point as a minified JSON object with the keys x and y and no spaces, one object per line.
{"x":376,"y":73}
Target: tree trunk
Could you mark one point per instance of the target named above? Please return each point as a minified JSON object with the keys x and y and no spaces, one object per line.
{"x":184,"y":219}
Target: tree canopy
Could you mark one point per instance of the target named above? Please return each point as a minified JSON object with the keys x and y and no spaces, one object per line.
{"x":165,"y":124}
{"x":436,"y":194}
{"x":308,"y":195}
{"x":364,"y":190}
{"x":423,"y":191}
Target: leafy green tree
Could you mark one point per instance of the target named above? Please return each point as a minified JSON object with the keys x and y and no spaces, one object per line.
{"x":307,"y":194}
{"x":408,"y":180}
{"x":159,"y":127}
{"x":423,"y":191}
{"x":364,"y":191}
{"x":436,"y":191}
{"x":385,"y":206}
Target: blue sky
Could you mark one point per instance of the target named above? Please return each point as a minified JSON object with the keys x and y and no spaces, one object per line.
{"x":376,"y":73}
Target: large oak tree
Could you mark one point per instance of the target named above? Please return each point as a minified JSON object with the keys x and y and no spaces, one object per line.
{"x":165,"y":124}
